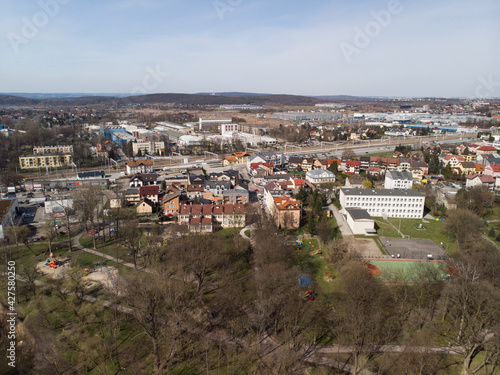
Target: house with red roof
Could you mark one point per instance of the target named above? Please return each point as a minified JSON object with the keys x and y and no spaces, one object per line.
{"x":474,"y":180}
{"x":453,"y":160}
{"x":287,"y":212}
{"x":150,"y":192}
{"x":352,"y":166}
{"x":298,"y":183}
{"x":479,"y":168}
{"x":492,"y":170}
{"x":202,"y":218}
{"x":486,"y":150}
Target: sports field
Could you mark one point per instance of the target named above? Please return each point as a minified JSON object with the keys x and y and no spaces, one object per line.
{"x":404,"y":271}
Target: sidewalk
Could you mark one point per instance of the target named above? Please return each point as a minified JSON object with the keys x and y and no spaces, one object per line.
{"x":76,"y":244}
{"x":341,"y":222}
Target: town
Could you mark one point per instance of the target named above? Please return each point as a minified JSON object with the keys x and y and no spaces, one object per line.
{"x":243,"y":205}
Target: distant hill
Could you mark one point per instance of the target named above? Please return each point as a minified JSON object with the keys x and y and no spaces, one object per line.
{"x":173,"y":98}
{"x":17,"y":101}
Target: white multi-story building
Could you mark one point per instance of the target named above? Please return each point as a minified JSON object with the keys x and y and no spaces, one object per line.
{"x":398,"y":180}
{"x":320,"y":176}
{"x":385,"y":202}
{"x":151,"y":148}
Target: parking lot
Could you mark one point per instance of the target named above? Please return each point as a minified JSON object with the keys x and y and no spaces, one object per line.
{"x":413,"y":248}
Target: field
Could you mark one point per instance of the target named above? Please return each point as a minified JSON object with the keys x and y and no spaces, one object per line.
{"x":434,"y":230}
{"x":403,"y":271}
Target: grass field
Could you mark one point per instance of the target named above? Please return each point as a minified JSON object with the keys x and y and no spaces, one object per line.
{"x":435,"y":231}
{"x":400,"y":271}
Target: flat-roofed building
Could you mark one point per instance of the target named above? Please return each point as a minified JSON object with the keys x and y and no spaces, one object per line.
{"x":151,"y":148}
{"x":385,"y":202}
{"x":8,"y":211}
{"x":360,"y":221}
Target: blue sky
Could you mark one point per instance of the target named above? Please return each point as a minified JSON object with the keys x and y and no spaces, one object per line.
{"x":413,"y":48}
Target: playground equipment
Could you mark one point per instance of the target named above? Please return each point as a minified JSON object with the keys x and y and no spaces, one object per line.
{"x":299,"y":242}
{"x":51,"y":261}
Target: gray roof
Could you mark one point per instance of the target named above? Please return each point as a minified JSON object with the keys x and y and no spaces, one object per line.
{"x":358,"y":213}
{"x":235,"y":192}
{"x":382,"y":192}
{"x":318,"y":172}
{"x":213,"y":184}
{"x":396,"y":175}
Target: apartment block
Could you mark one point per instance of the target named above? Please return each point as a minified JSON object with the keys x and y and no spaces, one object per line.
{"x":385,"y":202}
{"x":42,"y":161}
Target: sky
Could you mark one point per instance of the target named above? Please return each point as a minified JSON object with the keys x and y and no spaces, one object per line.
{"x":418,"y":48}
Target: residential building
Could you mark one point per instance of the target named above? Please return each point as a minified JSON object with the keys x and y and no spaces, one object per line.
{"x":277,"y":158}
{"x":473,"y":180}
{"x":132,"y":195}
{"x":45,"y":161}
{"x":140,"y":166}
{"x":48,"y":150}
{"x":466,"y":168}
{"x":150,"y":192}
{"x":145,"y":179}
{"x":287,"y":212}
{"x":195,"y":191}
{"x":398,"y":180}
{"x":492,"y":170}
{"x":375,"y":171}
{"x":217,"y":187}
{"x":360,"y":221}
{"x":8,"y":212}
{"x":220,"y":216}
{"x":486,"y":150}
{"x":320,"y":176}
{"x":197,"y":179}
{"x":145,"y":207}
{"x":230,"y":160}
{"x":235,"y":196}
{"x":355,"y":181}
{"x":385,"y":202}
{"x":228,"y":175}
{"x":171,"y":203}
{"x":352,"y":166}
{"x":479,"y":168}
{"x":453,"y":160}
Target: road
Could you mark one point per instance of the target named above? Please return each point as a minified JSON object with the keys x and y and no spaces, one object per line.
{"x":178,"y":162}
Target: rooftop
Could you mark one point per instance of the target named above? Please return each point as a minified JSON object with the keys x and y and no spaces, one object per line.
{"x":5,"y":205}
{"x":358,"y":213}
{"x":382,"y":192}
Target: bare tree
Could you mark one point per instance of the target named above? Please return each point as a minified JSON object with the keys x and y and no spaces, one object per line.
{"x":86,"y":204}
{"x":160,"y":305}
{"x":130,"y":236}
{"x":50,"y":231}
{"x":471,"y":304}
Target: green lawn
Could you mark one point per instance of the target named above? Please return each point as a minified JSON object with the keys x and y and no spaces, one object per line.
{"x":384,"y":229}
{"x":493,"y":213}
{"x":435,"y":230}
{"x":228,"y":232}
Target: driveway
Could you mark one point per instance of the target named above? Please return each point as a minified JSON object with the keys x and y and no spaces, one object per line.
{"x":341,"y":222}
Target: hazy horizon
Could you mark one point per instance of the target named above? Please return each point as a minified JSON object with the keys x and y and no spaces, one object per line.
{"x":369,"y":49}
